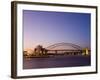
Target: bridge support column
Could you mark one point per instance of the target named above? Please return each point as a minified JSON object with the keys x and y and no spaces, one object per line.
{"x":85,"y":51}
{"x":55,"y":51}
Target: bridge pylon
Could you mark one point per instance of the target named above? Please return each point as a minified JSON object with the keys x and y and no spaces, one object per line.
{"x":85,"y":51}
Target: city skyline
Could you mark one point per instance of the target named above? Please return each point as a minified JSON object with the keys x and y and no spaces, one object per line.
{"x":46,"y":28}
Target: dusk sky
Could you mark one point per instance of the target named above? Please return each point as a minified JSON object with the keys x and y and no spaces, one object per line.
{"x":47,"y":28}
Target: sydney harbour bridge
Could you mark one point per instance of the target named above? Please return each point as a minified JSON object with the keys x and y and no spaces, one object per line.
{"x":61,"y":49}
{"x":66,"y":49}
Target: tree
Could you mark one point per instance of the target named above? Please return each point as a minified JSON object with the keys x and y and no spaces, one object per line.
{"x":39,"y":50}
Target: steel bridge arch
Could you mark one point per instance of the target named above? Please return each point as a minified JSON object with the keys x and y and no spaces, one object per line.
{"x":66,"y":44}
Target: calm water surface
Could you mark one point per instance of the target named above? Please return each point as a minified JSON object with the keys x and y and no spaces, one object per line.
{"x":57,"y":61}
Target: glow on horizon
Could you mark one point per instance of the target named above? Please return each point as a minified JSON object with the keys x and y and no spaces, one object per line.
{"x":47,"y":28}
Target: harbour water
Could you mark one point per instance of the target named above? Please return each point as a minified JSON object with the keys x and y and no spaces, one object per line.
{"x":57,"y":61}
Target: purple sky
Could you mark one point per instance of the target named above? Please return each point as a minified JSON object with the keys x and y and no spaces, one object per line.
{"x":47,"y":28}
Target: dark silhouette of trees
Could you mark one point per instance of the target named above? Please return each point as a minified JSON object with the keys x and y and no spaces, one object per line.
{"x":39,"y":50}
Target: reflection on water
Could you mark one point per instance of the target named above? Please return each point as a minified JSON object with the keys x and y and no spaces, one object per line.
{"x":57,"y":61}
